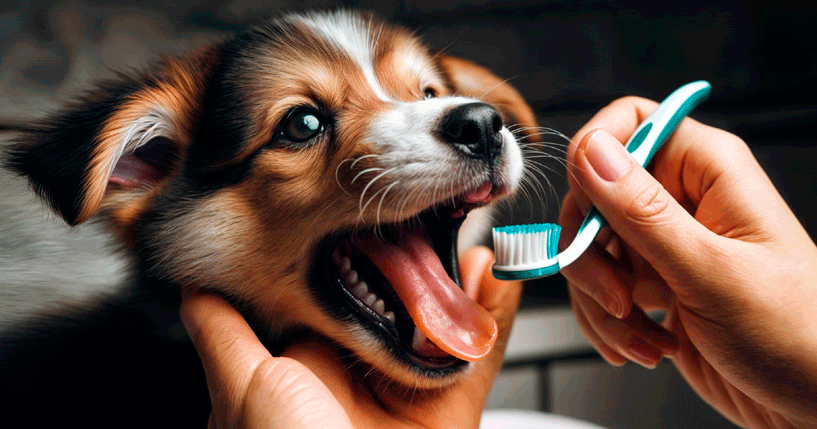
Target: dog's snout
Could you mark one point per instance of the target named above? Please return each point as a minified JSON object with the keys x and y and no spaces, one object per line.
{"x":474,"y":129}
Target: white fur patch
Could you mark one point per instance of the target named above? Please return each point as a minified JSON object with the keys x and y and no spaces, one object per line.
{"x":351,"y":35}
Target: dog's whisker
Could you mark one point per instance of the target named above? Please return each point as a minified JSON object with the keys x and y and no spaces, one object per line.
{"x":537,"y":187}
{"x":541,"y":160}
{"x":337,"y":176}
{"x":362,"y":194}
{"x":546,"y":130}
{"x":531,"y":180}
{"x":360,"y":158}
{"x":544,"y":149}
{"x":548,"y":163}
{"x":368,"y":170}
{"x":380,"y":204}
{"x":363,"y":208}
{"x":369,"y":185}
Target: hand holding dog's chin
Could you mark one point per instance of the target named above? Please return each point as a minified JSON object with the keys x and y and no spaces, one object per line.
{"x":730,"y":262}
{"x":310,"y":386}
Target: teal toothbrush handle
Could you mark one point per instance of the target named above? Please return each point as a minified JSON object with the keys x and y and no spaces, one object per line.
{"x":645,"y":142}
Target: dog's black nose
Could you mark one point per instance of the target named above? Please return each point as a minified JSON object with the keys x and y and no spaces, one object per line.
{"x":474,"y":129}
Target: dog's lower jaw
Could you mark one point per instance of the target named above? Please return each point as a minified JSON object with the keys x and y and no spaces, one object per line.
{"x":367,"y":341}
{"x":361,"y":351}
{"x":371,"y":337}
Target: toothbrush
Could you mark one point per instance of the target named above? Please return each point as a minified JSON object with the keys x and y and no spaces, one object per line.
{"x":529,"y":251}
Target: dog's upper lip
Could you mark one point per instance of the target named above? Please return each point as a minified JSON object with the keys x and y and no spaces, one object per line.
{"x":481,"y":195}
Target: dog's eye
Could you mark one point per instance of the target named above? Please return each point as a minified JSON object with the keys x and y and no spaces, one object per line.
{"x":301,"y":125}
{"x":429,"y":93}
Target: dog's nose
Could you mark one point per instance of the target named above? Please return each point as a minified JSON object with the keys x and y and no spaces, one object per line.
{"x":474,"y":129}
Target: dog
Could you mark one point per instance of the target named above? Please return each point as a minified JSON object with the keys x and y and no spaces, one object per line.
{"x":315,"y":170}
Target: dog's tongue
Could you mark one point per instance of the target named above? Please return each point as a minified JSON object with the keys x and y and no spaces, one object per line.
{"x":440,"y":309}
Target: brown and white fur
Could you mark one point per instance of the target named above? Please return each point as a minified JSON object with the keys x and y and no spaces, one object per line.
{"x":193,"y":167}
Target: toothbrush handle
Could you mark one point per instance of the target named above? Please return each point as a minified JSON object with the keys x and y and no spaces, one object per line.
{"x":656,"y":129}
{"x":645,"y":142}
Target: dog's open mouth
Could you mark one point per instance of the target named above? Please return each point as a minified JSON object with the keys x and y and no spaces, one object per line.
{"x":402,"y":281}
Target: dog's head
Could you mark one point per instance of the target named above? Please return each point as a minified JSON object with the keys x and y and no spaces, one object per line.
{"x":315,"y":169}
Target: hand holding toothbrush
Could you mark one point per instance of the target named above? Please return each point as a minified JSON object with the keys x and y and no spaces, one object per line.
{"x":710,"y":240}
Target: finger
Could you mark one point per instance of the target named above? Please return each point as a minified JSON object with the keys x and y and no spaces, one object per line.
{"x":229,"y":350}
{"x":645,"y":286}
{"x":288,"y":393}
{"x":695,"y":159}
{"x":615,"y":334}
{"x":323,"y":360}
{"x":608,"y":354}
{"x":472,"y":264}
{"x":501,"y":299}
{"x":641,"y":211}
{"x":247,"y":384}
{"x":649,"y":291}
{"x":687,"y":164}
{"x":636,"y":337}
{"x":573,"y":214}
{"x":594,"y":271}
{"x":620,"y":118}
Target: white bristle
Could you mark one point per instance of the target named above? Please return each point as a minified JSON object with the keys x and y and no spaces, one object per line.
{"x":525,"y":244}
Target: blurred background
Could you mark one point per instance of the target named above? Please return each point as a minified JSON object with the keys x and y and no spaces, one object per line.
{"x":568,"y":59}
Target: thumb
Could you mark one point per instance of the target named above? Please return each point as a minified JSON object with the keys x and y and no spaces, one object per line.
{"x":248,"y":386}
{"x":639,"y":209}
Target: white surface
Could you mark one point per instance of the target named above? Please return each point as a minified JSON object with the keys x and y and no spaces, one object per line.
{"x":518,"y":419}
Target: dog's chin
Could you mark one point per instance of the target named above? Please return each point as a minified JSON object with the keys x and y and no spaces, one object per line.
{"x":353,"y":290}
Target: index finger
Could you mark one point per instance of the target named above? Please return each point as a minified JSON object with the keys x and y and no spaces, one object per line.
{"x":501,"y":299}
{"x":229,"y":350}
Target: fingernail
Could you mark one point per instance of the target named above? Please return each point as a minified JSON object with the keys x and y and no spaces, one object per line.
{"x":611,"y":304}
{"x":645,"y":354}
{"x":607,"y":156}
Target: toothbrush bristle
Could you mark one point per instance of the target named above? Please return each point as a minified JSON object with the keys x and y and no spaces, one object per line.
{"x":526,"y":244}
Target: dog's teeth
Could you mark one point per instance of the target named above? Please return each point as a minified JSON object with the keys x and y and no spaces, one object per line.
{"x":351,"y":277}
{"x":379,"y":306}
{"x":345,"y":265}
{"x":390,"y":315}
{"x":419,"y":339}
{"x":370,"y":299}
{"x":360,"y":290}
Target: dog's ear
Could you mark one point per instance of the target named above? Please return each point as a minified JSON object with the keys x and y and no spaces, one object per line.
{"x":124,"y":136}
{"x":472,"y":80}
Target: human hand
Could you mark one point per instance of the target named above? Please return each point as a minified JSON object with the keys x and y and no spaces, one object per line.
{"x":308,"y":386}
{"x":710,"y":240}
